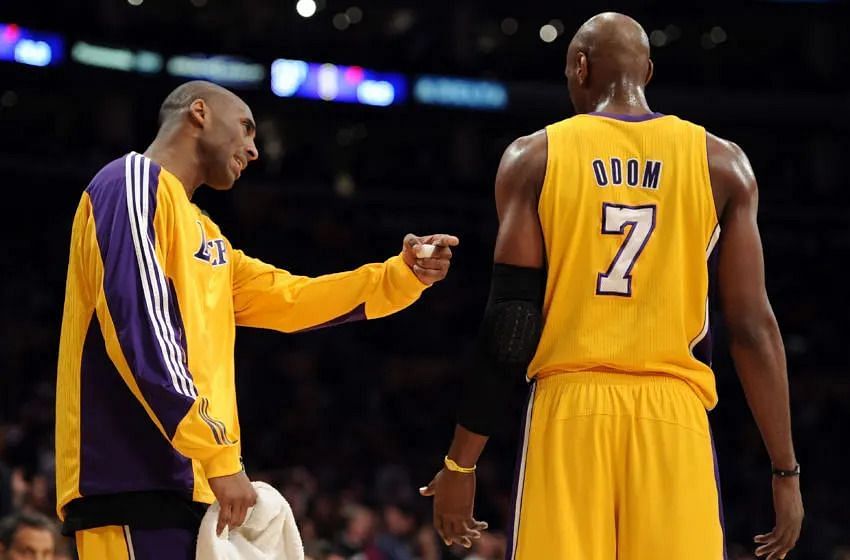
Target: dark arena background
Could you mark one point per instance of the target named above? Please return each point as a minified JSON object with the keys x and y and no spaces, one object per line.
{"x":376,"y":119}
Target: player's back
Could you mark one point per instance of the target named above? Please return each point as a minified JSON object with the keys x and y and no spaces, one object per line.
{"x":629,"y":224}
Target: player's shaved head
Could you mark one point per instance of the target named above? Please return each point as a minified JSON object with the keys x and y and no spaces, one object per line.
{"x":182,"y":97}
{"x":616,"y":45}
{"x":209,"y":131}
{"x":609,"y":53}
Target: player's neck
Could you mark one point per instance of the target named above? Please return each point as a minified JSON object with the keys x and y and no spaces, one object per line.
{"x":622,"y":99}
{"x":181,"y":162}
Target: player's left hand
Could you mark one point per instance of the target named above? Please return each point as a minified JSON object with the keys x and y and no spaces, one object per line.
{"x":429,"y":268}
{"x":788,"y":506}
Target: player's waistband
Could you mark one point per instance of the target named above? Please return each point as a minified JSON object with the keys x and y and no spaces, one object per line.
{"x":152,"y":509}
{"x":608,"y":377}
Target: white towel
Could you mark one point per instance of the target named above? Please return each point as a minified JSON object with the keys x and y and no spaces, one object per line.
{"x":269,"y":532}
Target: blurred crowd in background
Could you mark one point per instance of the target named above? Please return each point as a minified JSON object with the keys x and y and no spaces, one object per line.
{"x":349,"y":422}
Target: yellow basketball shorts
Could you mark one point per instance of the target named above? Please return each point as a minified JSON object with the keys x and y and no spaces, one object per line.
{"x":616,"y":466}
{"x":117,"y":542}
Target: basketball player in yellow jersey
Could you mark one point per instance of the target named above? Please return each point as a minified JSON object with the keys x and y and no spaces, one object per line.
{"x":147,"y":427}
{"x":618,"y":211}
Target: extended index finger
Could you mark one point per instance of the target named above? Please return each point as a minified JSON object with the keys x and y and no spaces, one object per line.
{"x":443,"y":240}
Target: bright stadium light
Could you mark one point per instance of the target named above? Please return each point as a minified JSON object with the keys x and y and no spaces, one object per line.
{"x":328,"y":82}
{"x":378,"y":93}
{"x":305,"y":8}
{"x":288,"y":76}
{"x":34,"y":53}
{"x":548,"y":33}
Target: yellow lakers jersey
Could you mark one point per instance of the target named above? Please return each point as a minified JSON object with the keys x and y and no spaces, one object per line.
{"x":629,"y":224}
{"x":146,"y":390}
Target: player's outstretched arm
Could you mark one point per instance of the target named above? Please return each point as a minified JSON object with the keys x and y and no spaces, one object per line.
{"x":268,"y":297}
{"x":508,"y":336}
{"x":755,"y":341}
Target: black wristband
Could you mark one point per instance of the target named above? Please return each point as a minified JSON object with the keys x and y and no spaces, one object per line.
{"x":783,"y":474}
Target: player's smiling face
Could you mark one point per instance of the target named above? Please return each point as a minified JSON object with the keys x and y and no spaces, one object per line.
{"x":228,"y":143}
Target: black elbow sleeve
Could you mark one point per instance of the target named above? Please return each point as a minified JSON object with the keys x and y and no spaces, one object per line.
{"x":506,"y":343}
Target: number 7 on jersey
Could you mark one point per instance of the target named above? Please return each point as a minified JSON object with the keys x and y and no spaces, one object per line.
{"x":617,"y":280}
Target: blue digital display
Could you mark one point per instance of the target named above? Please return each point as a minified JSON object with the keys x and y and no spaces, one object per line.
{"x":25,"y":46}
{"x":460,"y":92}
{"x":332,"y":82}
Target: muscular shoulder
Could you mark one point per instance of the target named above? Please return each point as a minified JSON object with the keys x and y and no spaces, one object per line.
{"x":523,"y":164}
{"x":730,"y":171}
{"x":527,"y":151}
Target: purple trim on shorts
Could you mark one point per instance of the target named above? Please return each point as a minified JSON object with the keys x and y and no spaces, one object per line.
{"x":516,"y":505}
{"x":121,"y":449}
{"x":719,"y":497}
{"x":703,"y":348}
{"x":163,"y":544}
{"x":633,"y":223}
{"x":627,"y":118}
{"x":356,"y":314}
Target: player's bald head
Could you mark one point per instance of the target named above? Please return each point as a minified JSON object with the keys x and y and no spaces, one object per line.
{"x":613,"y":49}
{"x":614,"y":42}
{"x":181,"y":98}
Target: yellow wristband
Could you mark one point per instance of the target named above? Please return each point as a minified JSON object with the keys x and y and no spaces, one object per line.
{"x":454,"y":467}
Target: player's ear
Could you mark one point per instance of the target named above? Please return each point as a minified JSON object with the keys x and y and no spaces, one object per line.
{"x":649,"y":69}
{"x":582,"y":69}
{"x":198,"y":113}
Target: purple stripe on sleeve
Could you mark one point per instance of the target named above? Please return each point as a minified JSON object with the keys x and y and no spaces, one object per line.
{"x":121,"y":450}
{"x":356,"y":314}
{"x":134,"y":287}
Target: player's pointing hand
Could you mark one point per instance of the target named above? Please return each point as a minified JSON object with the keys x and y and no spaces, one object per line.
{"x":429,"y":257}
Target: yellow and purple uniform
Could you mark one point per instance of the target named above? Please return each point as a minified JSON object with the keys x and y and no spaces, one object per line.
{"x":146,"y":399}
{"x":617,"y":461}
